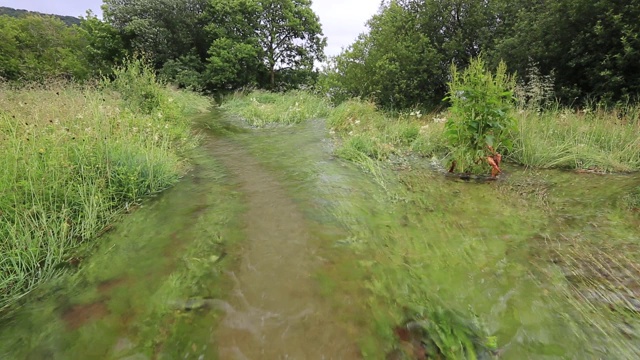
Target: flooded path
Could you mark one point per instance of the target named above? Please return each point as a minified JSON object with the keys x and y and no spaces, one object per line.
{"x":271,"y":248}
{"x":275,"y":311}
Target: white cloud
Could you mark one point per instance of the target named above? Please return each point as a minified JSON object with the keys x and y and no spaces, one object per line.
{"x":343,"y":20}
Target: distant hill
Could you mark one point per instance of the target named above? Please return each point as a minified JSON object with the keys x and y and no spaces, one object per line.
{"x":69,"y":20}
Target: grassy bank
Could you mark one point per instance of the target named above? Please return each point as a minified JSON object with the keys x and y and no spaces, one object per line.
{"x":464,"y":268}
{"x":599,"y":140}
{"x":74,"y":157}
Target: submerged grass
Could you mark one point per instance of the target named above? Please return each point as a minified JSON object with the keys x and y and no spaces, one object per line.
{"x":74,"y":157}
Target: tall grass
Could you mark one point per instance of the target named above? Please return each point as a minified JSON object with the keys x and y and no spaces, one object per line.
{"x":562,"y":138}
{"x":606,"y":140}
{"x":366,"y":130}
{"x":73,"y":157}
{"x":261,"y":108}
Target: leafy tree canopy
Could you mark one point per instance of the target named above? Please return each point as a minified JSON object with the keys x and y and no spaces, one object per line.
{"x":159,"y":29}
{"x":36,"y":47}
{"x":590,"y":48}
{"x":254,"y":38}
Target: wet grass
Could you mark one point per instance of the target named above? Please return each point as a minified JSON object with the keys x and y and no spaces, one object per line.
{"x":603,"y":141}
{"x":75,"y":157}
{"x":147,"y":291}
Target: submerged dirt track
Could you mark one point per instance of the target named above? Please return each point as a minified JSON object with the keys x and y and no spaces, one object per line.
{"x":275,"y":312}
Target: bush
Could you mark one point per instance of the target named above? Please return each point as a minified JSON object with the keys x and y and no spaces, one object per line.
{"x":480,"y":115}
{"x":137,"y":83}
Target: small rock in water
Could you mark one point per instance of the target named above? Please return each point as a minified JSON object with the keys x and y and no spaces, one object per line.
{"x":123,"y":345}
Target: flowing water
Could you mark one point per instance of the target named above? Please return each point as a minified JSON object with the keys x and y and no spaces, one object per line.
{"x":271,"y":248}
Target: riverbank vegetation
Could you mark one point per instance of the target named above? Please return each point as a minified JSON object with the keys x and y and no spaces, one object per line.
{"x":598,"y":139}
{"x":74,"y":157}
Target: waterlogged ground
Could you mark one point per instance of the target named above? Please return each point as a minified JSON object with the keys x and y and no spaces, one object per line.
{"x":272,"y":248}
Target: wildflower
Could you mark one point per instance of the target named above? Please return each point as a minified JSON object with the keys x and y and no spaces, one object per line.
{"x":41,"y":151}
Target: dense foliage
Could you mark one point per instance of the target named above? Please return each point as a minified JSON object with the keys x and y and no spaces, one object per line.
{"x":208,"y":45}
{"x":36,"y":48}
{"x":480,"y":116}
{"x":590,"y":49}
{"x":222,"y":45}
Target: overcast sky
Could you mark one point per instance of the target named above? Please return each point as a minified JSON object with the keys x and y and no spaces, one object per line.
{"x":342,"y":20}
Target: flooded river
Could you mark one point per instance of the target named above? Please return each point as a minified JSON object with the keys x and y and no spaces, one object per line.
{"x":272,"y":248}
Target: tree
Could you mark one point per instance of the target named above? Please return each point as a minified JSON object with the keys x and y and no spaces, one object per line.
{"x":9,"y":51}
{"x":594,"y":48}
{"x":280,"y":35}
{"x":104,"y":46}
{"x":160,"y":29}
{"x":405,"y":57}
{"x":40,"y":47}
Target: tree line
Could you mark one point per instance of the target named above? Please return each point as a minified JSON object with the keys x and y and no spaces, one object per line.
{"x":212,"y":45}
{"x":585,"y":49}
{"x":582,"y":49}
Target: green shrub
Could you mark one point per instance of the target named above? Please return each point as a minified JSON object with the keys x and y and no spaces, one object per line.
{"x":480,"y":114}
{"x":137,"y":83}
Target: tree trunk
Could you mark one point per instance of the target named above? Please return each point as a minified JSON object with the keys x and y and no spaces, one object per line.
{"x":273,"y":77}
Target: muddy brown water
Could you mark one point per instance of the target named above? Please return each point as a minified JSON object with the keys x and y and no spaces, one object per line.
{"x":275,"y":311}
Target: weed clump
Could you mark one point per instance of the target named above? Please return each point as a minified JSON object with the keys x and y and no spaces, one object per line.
{"x":480,"y":120}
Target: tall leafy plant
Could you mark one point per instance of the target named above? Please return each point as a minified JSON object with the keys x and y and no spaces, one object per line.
{"x":481,"y":108}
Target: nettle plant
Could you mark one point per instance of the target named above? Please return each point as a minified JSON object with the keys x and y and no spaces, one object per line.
{"x":480,"y":118}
